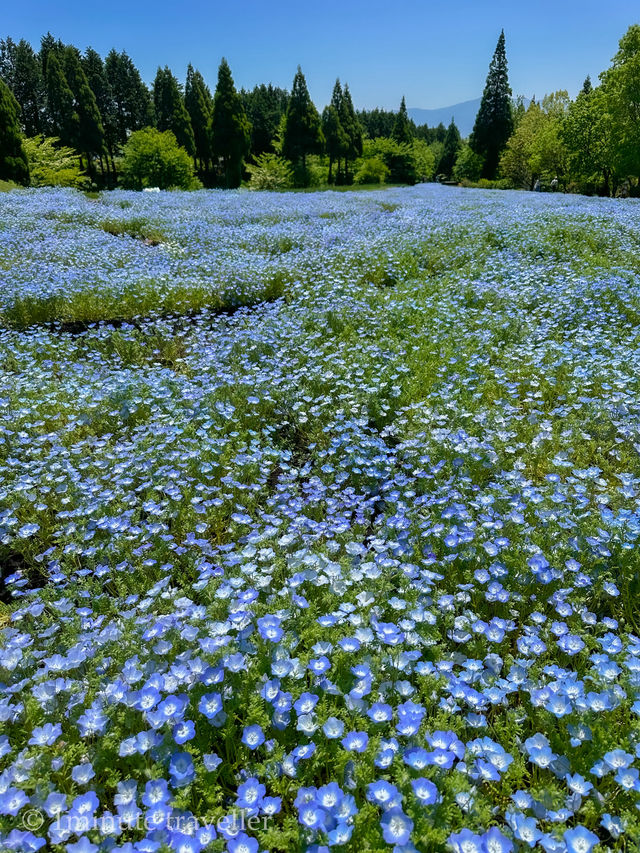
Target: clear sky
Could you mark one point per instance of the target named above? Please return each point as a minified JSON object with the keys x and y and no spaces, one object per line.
{"x":435,"y":53}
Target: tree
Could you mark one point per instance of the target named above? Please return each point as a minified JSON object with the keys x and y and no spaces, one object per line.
{"x":336,"y":141}
{"x":621,"y":88}
{"x":452,"y":145}
{"x":96,"y":74}
{"x":52,"y":164}
{"x":269,"y":172}
{"x":13,"y":160}
{"x":22,"y":72}
{"x":170,"y":111}
{"x":536,"y":150}
{"x":62,"y":116}
{"x":132,"y":101}
{"x":264,"y":106}
{"x":402,"y":130}
{"x":199,"y":104}
{"x":154,"y":159}
{"x":303,"y":131}
{"x":494,"y":122}
{"x":588,"y":135}
{"x":230,"y":129}
{"x":89,"y":137}
{"x":352,"y":130}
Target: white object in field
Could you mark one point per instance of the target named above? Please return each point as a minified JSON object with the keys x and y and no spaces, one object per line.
{"x":151,"y":190}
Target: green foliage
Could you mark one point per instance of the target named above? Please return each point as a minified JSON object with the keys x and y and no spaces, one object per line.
{"x":424,"y":158}
{"x":13,"y":160}
{"x":22,"y":72}
{"x":494,"y":122}
{"x":399,"y":159}
{"x":231,"y":132}
{"x":371,"y":171}
{"x":468,"y":165}
{"x":402,"y":130}
{"x":621,"y":87}
{"x":265,"y":106}
{"x":536,"y":150}
{"x":52,"y":164}
{"x":302,"y":130}
{"x":199,"y":104}
{"x":131,"y":99}
{"x":63,"y":121}
{"x":89,"y":136}
{"x":170,"y":111}
{"x":452,"y":144}
{"x":154,"y":159}
{"x":270,"y":172}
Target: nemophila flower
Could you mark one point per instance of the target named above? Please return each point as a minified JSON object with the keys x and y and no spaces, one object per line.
{"x":184,"y":843}
{"x":613,"y":824}
{"x":269,"y":628}
{"x":380,"y":712}
{"x":210,"y":705}
{"x":580,"y":840}
{"x":425,"y":791}
{"x":82,"y":773}
{"x":524,"y":828}
{"x":253,"y":736}
{"x":396,"y":827}
{"x":12,"y":800}
{"x":493,"y":841}
{"x":617,"y":759}
{"x":319,"y":666}
{"x":466,"y":842}
{"x":384,"y":794}
{"x":55,"y":804}
{"x":355,"y":741}
{"x":242,"y":843}
{"x":578,"y":784}
{"x":82,"y":845}
{"x":183,"y":731}
{"x":329,"y":797}
{"x":333,"y":728}
{"x":250,"y":795}
{"x":306,"y":703}
{"x":45,"y":735}
{"x":181,"y":769}
{"x":271,"y":806}
{"x":211,"y":761}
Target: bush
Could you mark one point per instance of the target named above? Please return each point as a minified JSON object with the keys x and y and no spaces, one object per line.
{"x":270,"y":172}
{"x":53,"y":165}
{"x":371,"y":171}
{"x":398,"y":158}
{"x":154,"y":159}
{"x":468,"y":165}
{"x":424,"y":158}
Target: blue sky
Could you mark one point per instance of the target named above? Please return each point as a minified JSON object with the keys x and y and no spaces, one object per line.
{"x":435,"y":53}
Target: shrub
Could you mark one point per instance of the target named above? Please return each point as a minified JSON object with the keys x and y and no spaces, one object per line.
{"x":270,"y":172}
{"x":53,"y":165}
{"x":371,"y":171}
{"x":154,"y":159}
{"x":468,"y":165}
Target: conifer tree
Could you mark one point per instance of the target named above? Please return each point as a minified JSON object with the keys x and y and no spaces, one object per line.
{"x":402,"y":130}
{"x":494,"y":122}
{"x":132,"y":100}
{"x":230,"y":128}
{"x":89,"y":138}
{"x":587,"y":85}
{"x":352,"y":130}
{"x":199,"y":104}
{"x":95,"y":70}
{"x":170,"y":111}
{"x":336,"y":140}
{"x":452,"y":145}
{"x":22,"y":72}
{"x":303,"y":131}
{"x":63,"y":120}
{"x":264,"y":105}
{"x":13,"y":160}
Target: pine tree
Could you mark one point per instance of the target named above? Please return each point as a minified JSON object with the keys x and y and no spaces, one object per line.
{"x":63,"y":120}
{"x":587,"y":85}
{"x":230,"y":128}
{"x":336,"y":140}
{"x":303,"y":131}
{"x":494,"y":122}
{"x":402,"y":130}
{"x":264,"y":106}
{"x":170,"y":111}
{"x":452,"y":145}
{"x":90,"y":132}
{"x":13,"y":160}
{"x":132,"y":100}
{"x":21,"y":71}
{"x":199,"y":104}
{"x":95,"y":70}
{"x":352,"y":130}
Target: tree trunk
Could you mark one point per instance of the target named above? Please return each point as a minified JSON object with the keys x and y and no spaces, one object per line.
{"x":330,"y":167}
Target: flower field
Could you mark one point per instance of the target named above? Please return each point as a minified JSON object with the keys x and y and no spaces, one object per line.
{"x":319,"y":520}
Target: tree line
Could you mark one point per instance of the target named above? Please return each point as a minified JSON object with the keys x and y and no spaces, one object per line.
{"x":59,"y":103}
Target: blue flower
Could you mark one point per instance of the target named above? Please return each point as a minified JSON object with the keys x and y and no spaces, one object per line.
{"x":253,"y":736}
{"x":396,"y":826}
{"x":580,"y":839}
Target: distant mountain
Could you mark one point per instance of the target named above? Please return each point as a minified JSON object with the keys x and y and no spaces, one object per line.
{"x":464,"y":115}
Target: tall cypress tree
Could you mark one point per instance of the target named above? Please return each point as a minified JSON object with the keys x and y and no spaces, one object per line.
{"x":63,"y":120}
{"x":171,"y":113}
{"x":402,"y":130}
{"x":96,"y":73}
{"x":264,"y":106}
{"x":336,"y":141}
{"x":13,"y":160}
{"x":90,"y":132}
{"x":352,"y":129}
{"x":199,"y":104}
{"x":303,"y":131}
{"x":22,"y":72}
{"x":132,"y":100}
{"x":494,"y":122}
{"x":230,"y":128}
{"x":452,"y":144}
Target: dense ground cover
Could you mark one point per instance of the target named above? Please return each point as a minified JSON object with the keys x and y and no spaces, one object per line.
{"x":327,"y":535}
